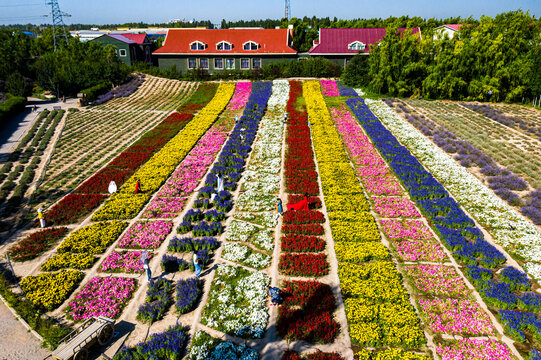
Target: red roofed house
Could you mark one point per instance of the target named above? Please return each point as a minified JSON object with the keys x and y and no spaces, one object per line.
{"x":130,"y":47}
{"x":224,"y":49}
{"x":448,"y":29}
{"x":340,"y":45}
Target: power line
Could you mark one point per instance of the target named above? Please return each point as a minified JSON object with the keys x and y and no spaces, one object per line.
{"x":18,"y":5}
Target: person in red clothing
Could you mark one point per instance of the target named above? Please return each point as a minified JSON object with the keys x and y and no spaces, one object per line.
{"x":301,"y":205}
{"x":136,"y":187}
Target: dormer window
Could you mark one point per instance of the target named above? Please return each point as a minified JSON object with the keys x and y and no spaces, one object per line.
{"x":224,"y":45}
{"x":356,"y":45}
{"x":198,"y":45}
{"x":250,"y":45}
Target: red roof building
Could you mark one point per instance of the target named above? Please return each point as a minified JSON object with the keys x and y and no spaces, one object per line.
{"x":224,"y":49}
{"x":448,"y":29}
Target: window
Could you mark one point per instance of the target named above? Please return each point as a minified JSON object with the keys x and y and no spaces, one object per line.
{"x":356,"y":45}
{"x":244,"y":63}
{"x":229,"y":63}
{"x":192,"y":63}
{"x":197,"y":45}
{"x":204,"y":63}
{"x":122,"y":52}
{"x":256,"y":63}
{"x":218,"y":63}
{"x":250,"y":45}
{"x":224,"y":45}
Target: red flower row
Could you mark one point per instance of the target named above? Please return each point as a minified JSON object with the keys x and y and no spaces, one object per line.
{"x":293,"y":355}
{"x":36,"y":243}
{"x":302,"y":243}
{"x":309,"y":295}
{"x":314,"y":327}
{"x":311,"y":265}
{"x":99,"y":182}
{"x":72,"y":208}
{"x":306,"y":229}
{"x":303,"y":217}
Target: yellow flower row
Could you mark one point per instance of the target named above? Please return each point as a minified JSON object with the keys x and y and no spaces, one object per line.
{"x":68,"y":260}
{"x":49,"y":290}
{"x":126,"y":204}
{"x":92,"y":239}
{"x":378,"y":308}
{"x":390,"y":354}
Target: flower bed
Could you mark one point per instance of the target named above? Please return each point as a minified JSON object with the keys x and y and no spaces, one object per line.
{"x":73,"y":208}
{"x":244,"y":255}
{"x":474,"y":349}
{"x":306,"y":313}
{"x":408,"y":229}
{"x":302,"y":243}
{"x":311,"y":265}
{"x":293,"y":355}
{"x":240,"y":97}
{"x":329,"y":88}
{"x":68,"y":260}
{"x":36,"y":244}
{"x":236,"y":302}
{"x":157,"y":170}
{"x":157,"y":302}
{"x":49,"y":290}
{"x":395,"y":207}
{"x":188,"y":292}
{"x":419,"y":250}
{"x":101,"y":296}
{"x":123,"y":262}
{"x":168,"y":345}
{"x":437,"y":280}
{"x":146,"y":235}
{"x":92,"y":239}
{"x":204,"y":94}
{"x":456,"y":317}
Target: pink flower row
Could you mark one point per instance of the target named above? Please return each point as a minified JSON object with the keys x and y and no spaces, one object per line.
{"x":329,"y":88}
{"x":475,"y":349}
{"x":101,"y":296}
{"x":395,"y":207}
{"x":456,"y":317}
{"x":146,"y":235}
{"x":406,"y":229}
{"x":241,"y":95}
{"x":438,"y":280}
{"x":419,"y":250}
{"x":126,"y":261}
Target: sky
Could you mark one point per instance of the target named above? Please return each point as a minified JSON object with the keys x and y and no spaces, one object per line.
{"x":159,"y":11}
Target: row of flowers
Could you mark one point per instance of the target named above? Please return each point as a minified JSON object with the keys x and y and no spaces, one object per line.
{"x":307,"y":313}
{"x":92,"y":192}
{"x":377,"y":305}
{"x":140,"y":187}
{"x":521,"y":238}
{"x":457,"y":231}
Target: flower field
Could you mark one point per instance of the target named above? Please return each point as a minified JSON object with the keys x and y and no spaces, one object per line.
{"x":398,"y":238}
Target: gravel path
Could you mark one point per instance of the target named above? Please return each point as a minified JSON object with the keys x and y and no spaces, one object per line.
{"x":17,"y":343}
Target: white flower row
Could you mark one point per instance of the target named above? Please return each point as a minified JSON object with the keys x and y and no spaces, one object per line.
{"x":266,"y":219}
{"x":246,"y":232}
{"x":280,"y":94}
{"x":490,"y":211}
{"x":237,"y":300}
{"x":254,"y":201}
{"x":246,"y":256}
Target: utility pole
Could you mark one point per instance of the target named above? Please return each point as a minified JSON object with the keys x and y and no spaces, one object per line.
{"x":58,"y":22}
{"x":288,"y":10}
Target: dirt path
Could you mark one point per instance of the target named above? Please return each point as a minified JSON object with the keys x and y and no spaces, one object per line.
{"x":17,"y":343}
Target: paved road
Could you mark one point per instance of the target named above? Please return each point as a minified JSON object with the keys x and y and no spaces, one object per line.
{"x":12,"y":131}
{"x":17,"y":343}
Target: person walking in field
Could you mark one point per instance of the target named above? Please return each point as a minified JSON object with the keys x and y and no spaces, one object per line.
{"x":137,"y":185}
{"x":275,"y":294}
{"x":146,"y":267}
{"x":279,"y":206}
{"x":196,"y":264}
{"x":40,"y":217}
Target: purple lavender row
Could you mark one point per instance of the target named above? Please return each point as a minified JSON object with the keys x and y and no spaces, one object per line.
{"x":123,"y":90}
{"x":509,"y":121}
{"x":502,"y":181}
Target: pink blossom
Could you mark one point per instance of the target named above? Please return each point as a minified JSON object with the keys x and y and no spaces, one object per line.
{"x":146,"y":235}
{"x":164,"y":207}
{"x":126,"y":261}
{"x":437,"y":280}
{"x":329,"y":88}
{"x":392,"y":207}
{"x":101,"y":296}
{"x":241,"y":95}
{"x":474,"y":349}
{"x":420,"y":250}
{"x":406,"y":229}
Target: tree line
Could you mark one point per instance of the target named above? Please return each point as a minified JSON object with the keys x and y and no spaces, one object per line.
{"x":493,"y":59}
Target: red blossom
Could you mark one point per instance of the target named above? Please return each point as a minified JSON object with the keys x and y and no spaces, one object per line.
{"x":304,"y":264}
{"x":36,"y":243}
{"x":302,"y":243}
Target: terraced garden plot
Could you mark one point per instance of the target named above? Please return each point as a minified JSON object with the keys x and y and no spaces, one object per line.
{"x":156,"y":94}
{"x":512,"y":149}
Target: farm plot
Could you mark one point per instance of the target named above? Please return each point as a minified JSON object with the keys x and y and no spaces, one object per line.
{"x":518,"y":152}
{"x":18,"y":173}
{"x":156,"y":94}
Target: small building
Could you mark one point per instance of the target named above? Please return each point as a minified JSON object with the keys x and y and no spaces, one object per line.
{"x":225,"y":49}
{"x":448,"y":29}
{"x":340,"y":45}
{"x":130,"y":47}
